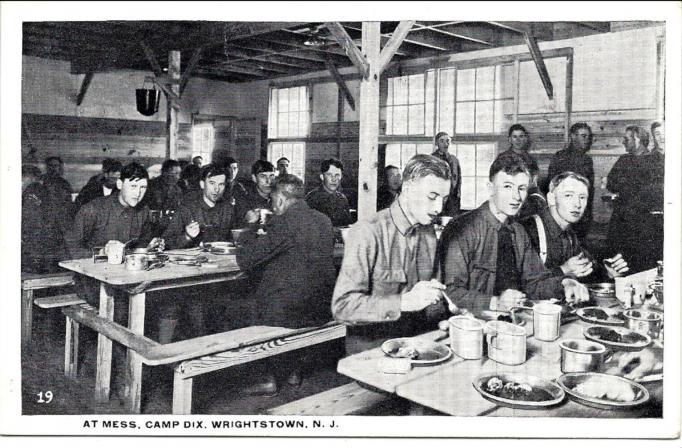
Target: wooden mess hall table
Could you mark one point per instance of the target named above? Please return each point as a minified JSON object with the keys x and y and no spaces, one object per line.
{"x":448,"y":387}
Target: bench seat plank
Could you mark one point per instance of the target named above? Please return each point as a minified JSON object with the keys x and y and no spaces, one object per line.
{"x":58,"y":301}
{"x":42,"y":281}
{"x":348,"y":399}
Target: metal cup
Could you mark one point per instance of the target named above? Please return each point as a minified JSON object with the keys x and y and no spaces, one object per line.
{"x":506,"y":342}
{"x":466,"y":337}
{"x":578,"y":355}
{"x":114,"y":251}
{"x":546,"y":321}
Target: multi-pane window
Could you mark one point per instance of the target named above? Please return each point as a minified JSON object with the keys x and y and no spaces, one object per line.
{"x":409,"y":104}
{"x":203,"y":139}
{"x":397,"y":154}
{"x":295,"y":152}
{"x":289,"y":113}
{"x":475,"y":160}
{"x":289,"y":118}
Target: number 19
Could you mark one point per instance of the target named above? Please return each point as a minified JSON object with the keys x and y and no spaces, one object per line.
{"x":48,"y":397}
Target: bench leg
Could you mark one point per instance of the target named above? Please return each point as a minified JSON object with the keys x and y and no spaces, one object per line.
{"x":103,"y":377}
{"x":26,"y":317}
{"x":136,"y":310}
{"x":182,"y":394}
{"x":71,"y":349}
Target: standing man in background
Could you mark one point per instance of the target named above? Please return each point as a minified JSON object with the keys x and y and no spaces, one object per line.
{"x":327,"y":198}
{"x":453,"y":204}
{"x":283,"y":166}
{"x":574,"y":158}
{"x":59,"y":209}
{"x":102,"y":184}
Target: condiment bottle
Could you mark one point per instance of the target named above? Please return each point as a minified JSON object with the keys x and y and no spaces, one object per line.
{"x":629,"y":292}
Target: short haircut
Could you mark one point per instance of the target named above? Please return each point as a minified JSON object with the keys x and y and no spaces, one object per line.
{"x":510,"y":163}
{"x":212,"y":170}
{"x":283,"y":158}
{"x":290,"y":186}
{"x":197,"y":157}
{"x":422,"y":165}
{"x":516,"y":127}
{"x":168,"y":165}
{"x":556,"y":180}
{"x":230,"y":160}
{"x":388,"y":168}
{"x":439,"y":135}
{"x":324,"y":166}
{"x":641,"y":133}
{"x":111,"y":165}
{"x":262,"y":166}
{"x":30,"y":171}
{"x":51,"y":158}
{"x":654,"y":125}
{"x":578,"y":126}
{"x":133,"y":171}
{"x":191,"y":172}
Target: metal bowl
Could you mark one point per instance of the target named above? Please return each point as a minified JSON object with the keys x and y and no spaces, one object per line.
{"x":569,"y":381}
{"x":556,"y":393}
{"x":579,"y":355}
{"x":644,"y":321}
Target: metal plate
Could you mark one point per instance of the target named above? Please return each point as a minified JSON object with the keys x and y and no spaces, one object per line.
{"x":548,"y":386}
{"x":591,"y":334}
{"x":610,"y":321}
{"x":569,"y":381}
{"x":429,"y":352}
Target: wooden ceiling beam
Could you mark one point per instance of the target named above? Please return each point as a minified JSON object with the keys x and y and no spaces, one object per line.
{"x":432,"y":39}
{"x":151,"y":58}
{"x":470,"y":33}
{"x":343,"y":88}
{"x":352,"y":51}
{"x":602,"y":27}
{"x":405,"y":50}
{"x":191,"y":65}
{"x":295,"y":40}
{"x":540,"y":64}
{"x":394,"y":43}
{"x":84,"y":87}
{"x":540,"y":30}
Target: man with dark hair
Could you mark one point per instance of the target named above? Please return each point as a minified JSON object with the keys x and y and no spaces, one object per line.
{"x":197,"y":161}
{"x":164,"y":192}
{"x":485,"y":258}
{"x":283,"y":166}
{"x":574,"y":158}
{"x":453,"y":205}
{"x":190,"y":177}
{"x":33,"y":196}
{"x":200,"y":218}
{"x":292,"y":267}
{"x":653,"y":194}
{"x":519,"y":144}
{"x":249,"y":200}
{"x":385,"y":281}
{"x":102,"y":184}
{"x":555,"y":241}
{"x":327,"y":198}
{"x":390,"y":188}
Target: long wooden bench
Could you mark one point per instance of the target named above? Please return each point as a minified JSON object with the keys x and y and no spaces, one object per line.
{"x":193,"y":357}
{"x":349,"y":399}
{"x":33,"y":282}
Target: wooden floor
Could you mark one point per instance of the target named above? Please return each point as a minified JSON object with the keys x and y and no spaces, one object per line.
{"x":215,"y":393}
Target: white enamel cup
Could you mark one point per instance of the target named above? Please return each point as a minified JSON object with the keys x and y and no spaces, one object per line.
{"x":466,"y":337}
{"x":506,"y":342}
{"x":546,"y":321}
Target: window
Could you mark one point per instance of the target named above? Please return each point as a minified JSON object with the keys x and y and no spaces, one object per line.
{"x":409,"y":104}
{"x":203,"y":139}
{"x":289,"y":113}
{"x":289,"y":120}
{"x":295,"y":152}
{"x":475,"y":160}
{"x":397,"y":154}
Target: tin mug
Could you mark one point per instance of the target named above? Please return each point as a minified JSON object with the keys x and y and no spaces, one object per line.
{"x":546,"y":321}
{"x":466,"y":337}
{"x":506,"y":342}
{"x":114,"y":250}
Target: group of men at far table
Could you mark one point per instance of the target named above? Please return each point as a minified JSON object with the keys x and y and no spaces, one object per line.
{"x":395,"y":276}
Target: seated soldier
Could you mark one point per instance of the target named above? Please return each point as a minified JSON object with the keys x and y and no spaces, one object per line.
{"x":203,"y":218}
{"x":248,"y":201}
{"x":102,"y":184}
{"x":292,"y":266}
{"x":390,"y":189}
{"x":327,"y":198}
{"x":486,"y":259}
{"x":164,"y":193}
{"x":555,"y":241}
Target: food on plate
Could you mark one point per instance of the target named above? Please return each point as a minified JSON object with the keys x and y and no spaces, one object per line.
{"x":504,"y":318}
{"x":638,"y":315}
{"x":610,"y":335}
{"x":511,"y":390}
{"x":403,"y":351}
{"x":596,"y":313}
{"x":595,"y":387}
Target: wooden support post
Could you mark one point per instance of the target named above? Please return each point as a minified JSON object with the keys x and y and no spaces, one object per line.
{"x":84,"y":87}
{"x":71,"y":349}
{"x":26,"y":318}
{"x":136,"y":309}
{"x":182,"y":394}
{"x":369,"y":123}
{"x":103,"y":375}
{"x":194,"y":60}
{"x":569,"y":97}
{"x":354,"y":54}
{"x":393,"y":43}
{"x":343,"y":88}
{"x":171,"y":112}
{"x":539,"y":64}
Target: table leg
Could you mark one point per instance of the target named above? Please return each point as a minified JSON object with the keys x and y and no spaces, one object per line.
{"x":26,"y":317}
{"x":133,"y":361}
{"x":182,"y":394}
{"x":103,"y":377}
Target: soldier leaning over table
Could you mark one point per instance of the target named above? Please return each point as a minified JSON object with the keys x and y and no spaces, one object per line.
{"x":120,"y":217}
{"x":385,"y":281}
{"x":203,"y":216}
